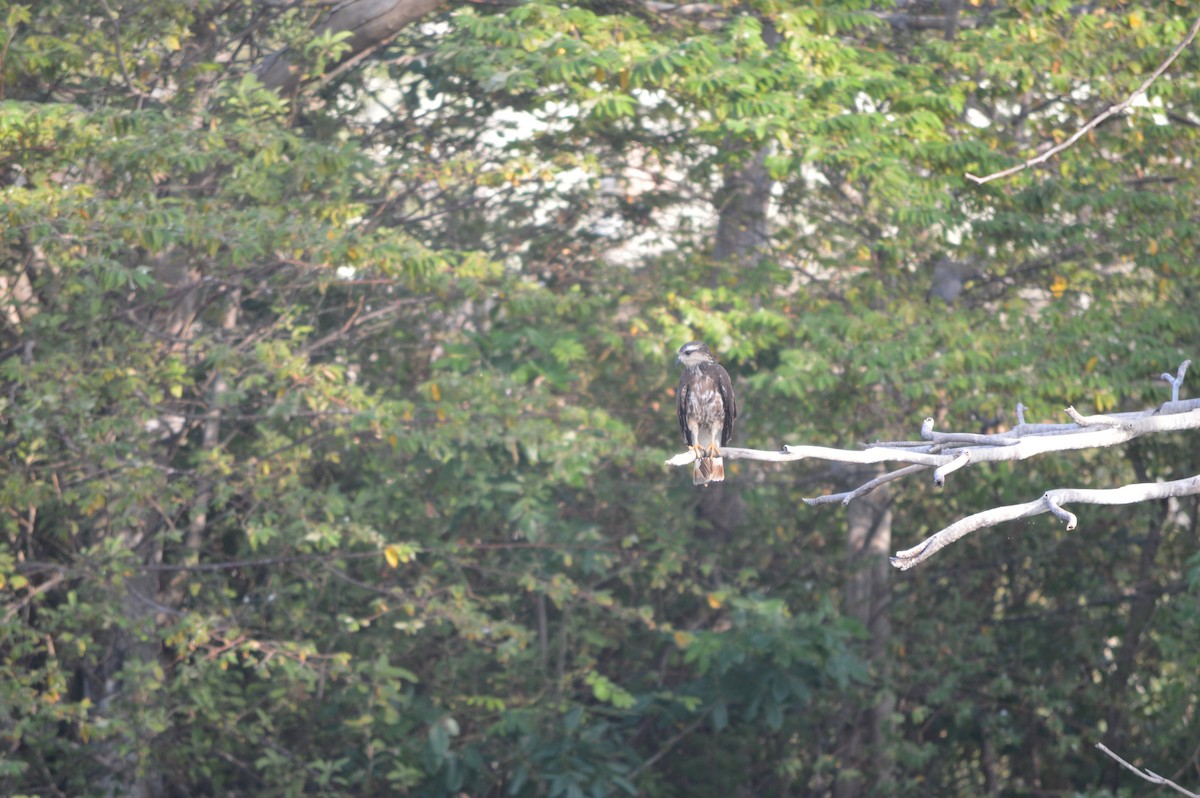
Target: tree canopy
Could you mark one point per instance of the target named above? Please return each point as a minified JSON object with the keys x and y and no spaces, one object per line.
{"x":335,"y":387}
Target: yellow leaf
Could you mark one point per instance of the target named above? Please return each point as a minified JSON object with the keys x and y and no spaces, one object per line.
{"x":441,"y":414}
{"x":177,"y":390}
{"x":435,"y":392}
{"x":683,"y":639}
{"x":1091,"y":364}
{"x":1135,"y":21}
{"x":171,"y":43}
{"x":1058,"y":286}
{"x":715,"y":600}
{"x":1152,"y":247}
{"x":393,"y":440}
{"x":94,"y":505}
{"x":392,"y":555}
{"x":18,"y":582}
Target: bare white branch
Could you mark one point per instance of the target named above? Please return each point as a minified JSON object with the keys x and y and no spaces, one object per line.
{"x":1146,"y":773}
{"x":1050,"y":502}
{"x":1018,"y":444}
{"x":947,"y":452}
{"x":939,"y":474}
{"x":866,"y":487}
{"x":1177,"y":380}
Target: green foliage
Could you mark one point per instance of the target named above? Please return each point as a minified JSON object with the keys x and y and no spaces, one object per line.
{"x":334,"y":422}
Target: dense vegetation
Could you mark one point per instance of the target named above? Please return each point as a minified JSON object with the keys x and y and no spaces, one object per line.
{"x":333,"y":410}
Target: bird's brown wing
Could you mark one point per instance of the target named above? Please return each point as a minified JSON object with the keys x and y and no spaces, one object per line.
{"x":725,"y":387}
{"x":681,"y":403}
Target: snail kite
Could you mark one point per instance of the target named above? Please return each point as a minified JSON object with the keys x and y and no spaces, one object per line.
{"x":706,"y":410}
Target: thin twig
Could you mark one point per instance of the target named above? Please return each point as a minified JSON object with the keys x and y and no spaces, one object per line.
{"x":1092,"y":125}
{"x":49,"y":584}
{"x":669,"y":744}
{"x":1146,"y":773}
{"x":260,"y":562}
{"x":849,"y":496}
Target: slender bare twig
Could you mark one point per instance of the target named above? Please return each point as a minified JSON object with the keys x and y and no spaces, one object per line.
{"x":671,"y":743}
{"x":1147,"y":774}
{"x":1092,"y":125}
{"x":850,"y":495}
{"x":49,"y":584}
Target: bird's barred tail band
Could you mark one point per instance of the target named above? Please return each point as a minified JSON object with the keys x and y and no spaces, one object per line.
{"x":708,"y":469}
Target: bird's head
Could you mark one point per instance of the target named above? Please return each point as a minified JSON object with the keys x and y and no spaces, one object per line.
{"x":693,"y":353}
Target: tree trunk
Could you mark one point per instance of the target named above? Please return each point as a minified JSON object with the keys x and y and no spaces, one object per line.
{"x":370,"y":24}
{"x":743,"y":204}
{"x":865,"y":754}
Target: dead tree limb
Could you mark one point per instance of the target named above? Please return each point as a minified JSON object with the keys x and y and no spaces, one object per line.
{"x":1146,"y":773}
{"x":947,"y":452}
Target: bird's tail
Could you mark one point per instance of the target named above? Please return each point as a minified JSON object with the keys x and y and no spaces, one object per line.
{"x":708,"y":469}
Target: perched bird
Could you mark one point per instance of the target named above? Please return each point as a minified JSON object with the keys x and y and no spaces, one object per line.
{"x":706,"y":410}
